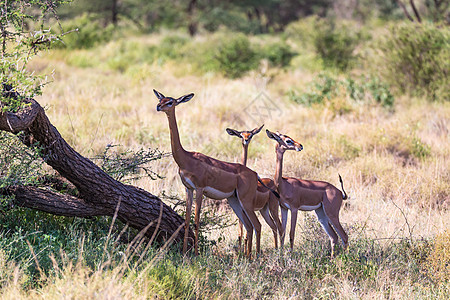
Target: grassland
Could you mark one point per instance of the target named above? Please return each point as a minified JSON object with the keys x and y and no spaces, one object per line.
{"x":394,"y":162}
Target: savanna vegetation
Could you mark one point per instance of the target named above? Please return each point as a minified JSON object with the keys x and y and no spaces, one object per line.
{"x":363,"y":85}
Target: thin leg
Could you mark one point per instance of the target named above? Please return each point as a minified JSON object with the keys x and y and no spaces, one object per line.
{"x":198,"y":208}
{"x":265,"y":213}
{"x":343,"y":235}
{"x":294,"y":213}
{"x":325,"y":222}
{"x":241,"y":233}
{"x":249,"y":242}
{"x":239,"y":211}
{"x":189,"y":198}
{"x":331,"y":206}
{"x":273,"y":209}
{"x":246,"y":241}
{"x":284,"y":213}
{"x":256,"y":225}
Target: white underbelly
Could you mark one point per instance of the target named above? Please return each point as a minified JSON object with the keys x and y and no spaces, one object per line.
{"x":216,"y":194}
{"x":310,"y":207}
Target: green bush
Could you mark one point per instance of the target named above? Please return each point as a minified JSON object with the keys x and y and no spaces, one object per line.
{"x":414,"y":59}
{"x":326,"y":88}
{"x":88,"y":33}
{"x":302,"y":31}
{"x":170,"y":47}
{"x":234,"y":56}
{"x":278,"y":54}
{"x":335,"y":44}
{"x":367,"y":89}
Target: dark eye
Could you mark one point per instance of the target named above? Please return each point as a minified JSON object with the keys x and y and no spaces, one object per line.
{"x":288,"y":142}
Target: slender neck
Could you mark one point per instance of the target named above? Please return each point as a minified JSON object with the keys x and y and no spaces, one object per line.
{"x":177,"y":150}
{"x":244,"y":155}
{"x":279,"y":170}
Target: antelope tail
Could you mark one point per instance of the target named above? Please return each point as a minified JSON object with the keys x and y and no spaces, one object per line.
{"x":344,"y":196}
{"x":273,"y":192}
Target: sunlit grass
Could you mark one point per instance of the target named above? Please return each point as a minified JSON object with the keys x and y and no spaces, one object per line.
{"x":394,"y":165}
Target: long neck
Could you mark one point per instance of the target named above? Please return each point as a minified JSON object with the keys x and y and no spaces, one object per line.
{"x":178,"y":152}
{"x":279,"y":170}
{"x":244,"y":155}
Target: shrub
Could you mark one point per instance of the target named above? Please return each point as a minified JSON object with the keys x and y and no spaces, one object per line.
{"x":235,"y":56}
{"x":413,"y":58}
{"x":326,"y":88}
{"x":232,"y":54}
{"x":335,"y":44}
{"x":302,"y":31}
{"x":278,"y":54}
{"x":372,"y":88}
{"x":129,"y":165}
{"x":170,"y":46}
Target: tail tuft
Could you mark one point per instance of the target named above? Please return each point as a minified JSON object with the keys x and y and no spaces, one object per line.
{"x":344,"y":196}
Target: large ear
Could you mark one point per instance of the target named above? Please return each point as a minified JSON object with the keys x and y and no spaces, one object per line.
{"x":185,"y":98}
{"x":158,"y":94}
{"x":257,"y":130}
{"x":233,"y":132}
{"x":272,"y":136}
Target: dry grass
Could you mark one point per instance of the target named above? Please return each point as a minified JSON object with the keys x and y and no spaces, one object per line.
{"x":395,"y":167}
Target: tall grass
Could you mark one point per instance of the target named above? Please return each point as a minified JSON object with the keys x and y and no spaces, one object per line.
{"x":391,"y":268}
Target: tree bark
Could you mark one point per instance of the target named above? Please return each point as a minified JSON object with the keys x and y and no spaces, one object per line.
{"x":416,"y":12}
{"x":114,"y":12}
{"x":192,"y":26}
{"x":405,"y":11}
{"x":99,"y":194}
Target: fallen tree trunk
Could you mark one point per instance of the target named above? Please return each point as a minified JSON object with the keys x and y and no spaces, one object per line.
{"x":98,"y":193}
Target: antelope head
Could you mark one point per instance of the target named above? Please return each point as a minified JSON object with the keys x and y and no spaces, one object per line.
{"x":245,"y":135}
{"x":167,"y":104}
{"x":284,"y":142}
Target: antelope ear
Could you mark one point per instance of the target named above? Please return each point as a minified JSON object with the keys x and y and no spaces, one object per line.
{"x":158,"y":94}
{"x":185,"y":98}
{"x":257,"y":130}
{"x":272,"y":135}
{"x":233,"y":132}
